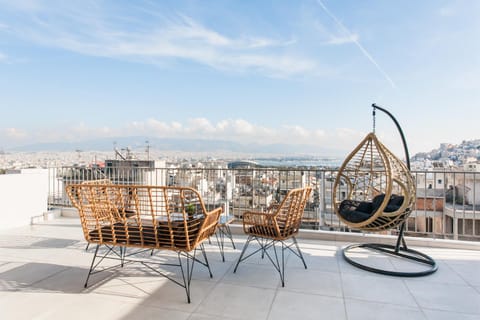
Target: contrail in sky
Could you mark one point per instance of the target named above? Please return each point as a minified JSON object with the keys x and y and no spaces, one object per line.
{"x":362,"y":49}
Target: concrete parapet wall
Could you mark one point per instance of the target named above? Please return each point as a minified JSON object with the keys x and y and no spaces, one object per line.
{"x":23,"y":197}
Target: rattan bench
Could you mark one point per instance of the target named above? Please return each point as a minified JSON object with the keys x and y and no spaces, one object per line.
{"x":143,"y":219}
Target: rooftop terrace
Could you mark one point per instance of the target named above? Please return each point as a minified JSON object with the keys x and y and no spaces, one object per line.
{"x":43,"y":268}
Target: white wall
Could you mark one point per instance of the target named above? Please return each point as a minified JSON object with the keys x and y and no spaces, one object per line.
{"x":22,"y":196}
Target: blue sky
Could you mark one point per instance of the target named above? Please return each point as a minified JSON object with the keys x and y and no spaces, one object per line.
{"x":248,"y":71}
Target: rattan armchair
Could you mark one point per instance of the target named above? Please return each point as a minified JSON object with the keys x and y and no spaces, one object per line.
{"x":144,"y":218}
{"x":278,"y":225}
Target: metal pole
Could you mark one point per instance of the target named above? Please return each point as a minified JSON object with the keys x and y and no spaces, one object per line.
{"x":407,"y":156}
{"x":400,"y":239}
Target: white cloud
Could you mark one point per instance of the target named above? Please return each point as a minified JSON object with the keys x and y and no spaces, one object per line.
{"x":222,"y":125}
{"x":319,"y":133}
{"x":98,"y":33}
{"x":176,"y":126}
{"x":158,"y":127}
{"x":200,"y":125}
{"x":297,"y":131}
{"x":243,"y":131}
{"x":195,"y":31}
{"x":242,"y":127}
{"x":15,"y":133}
{"x":237,"y":130}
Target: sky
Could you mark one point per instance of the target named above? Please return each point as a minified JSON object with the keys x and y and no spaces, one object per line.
{"x":270,"y":71}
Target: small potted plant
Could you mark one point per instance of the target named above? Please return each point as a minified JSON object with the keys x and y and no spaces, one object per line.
{"x":190,"y":210}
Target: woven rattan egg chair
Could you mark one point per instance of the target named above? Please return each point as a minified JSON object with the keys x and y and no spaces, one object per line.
{"x":374,"y":191}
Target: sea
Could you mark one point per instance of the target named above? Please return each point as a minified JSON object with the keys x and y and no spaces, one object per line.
{"x":320,"y":162}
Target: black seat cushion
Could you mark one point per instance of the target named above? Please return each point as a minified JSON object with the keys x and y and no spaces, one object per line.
{"x":394,"y":203}
{"x":350,"y":210}
{"x":117,"y":233}
{"x":166,"y":236}
{"x":178,"y":234}
{"x":377,"y":201}
{"x":359,"y":211}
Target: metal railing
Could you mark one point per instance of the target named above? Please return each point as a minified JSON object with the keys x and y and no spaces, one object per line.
{"x":447,"y":206}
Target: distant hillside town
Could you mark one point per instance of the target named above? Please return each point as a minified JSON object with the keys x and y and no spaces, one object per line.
{"x":449,"y":156}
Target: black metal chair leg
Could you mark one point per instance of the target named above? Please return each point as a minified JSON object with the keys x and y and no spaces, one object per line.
{"x":299,"y":252}
{"x":220,"y":246}
{"x":224,"y":231}
{"x":279,"y":266}
{"x":187,"y":274}
{"x":243,"y":252}
{"x":202,"y":247}
{"x":91,"y":266}
{"x":123,"y":250}
{"x":282,"y":268}
{"x":228,"y":234}
{"x":263,"y":245}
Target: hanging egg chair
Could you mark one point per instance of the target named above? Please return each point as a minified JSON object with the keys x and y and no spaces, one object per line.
{"x":375,"y":191}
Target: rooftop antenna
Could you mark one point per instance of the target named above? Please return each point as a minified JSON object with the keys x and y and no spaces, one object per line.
{"x":147,"y":149}
{"x":79,"y":154}
{"x":128,"y":154}
{"x":117,"y":153}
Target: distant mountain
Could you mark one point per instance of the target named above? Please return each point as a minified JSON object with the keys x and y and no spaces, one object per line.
{"x":182,"y":145}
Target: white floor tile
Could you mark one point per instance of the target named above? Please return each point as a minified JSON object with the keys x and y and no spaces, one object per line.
{"x":237,"y":302}
{"x":447,"y":315}
{"x":292,"y":305}
{"x":377,"y":288}
{"x":446,"y":297}
{"x":365,"y":310}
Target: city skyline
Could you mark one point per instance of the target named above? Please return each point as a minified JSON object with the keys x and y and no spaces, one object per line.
{"x":249,"y":72}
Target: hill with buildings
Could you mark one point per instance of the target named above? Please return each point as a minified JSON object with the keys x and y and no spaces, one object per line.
{"x":452,"y":154}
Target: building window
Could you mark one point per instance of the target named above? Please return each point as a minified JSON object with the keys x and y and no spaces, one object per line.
{"x":411,"y":224}
{"x":429,"y":224}
{"x":448,"y":225}
{"x":439,"y":181}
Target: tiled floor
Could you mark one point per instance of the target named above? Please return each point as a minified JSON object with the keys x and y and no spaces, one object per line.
{"x":43,"y":268}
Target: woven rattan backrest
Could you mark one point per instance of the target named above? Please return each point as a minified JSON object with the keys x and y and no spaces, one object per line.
{"x":290,"y":212}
